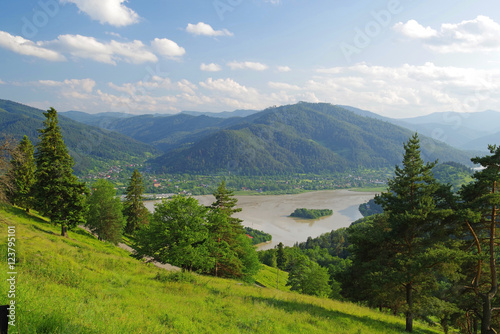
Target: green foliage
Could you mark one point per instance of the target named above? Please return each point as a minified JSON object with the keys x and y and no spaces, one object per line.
{"x":480,"y":213}
{"x":308,"y":277}
{"x":410,"y":236}
{"x":175,"y":276}
{"x":23,"y":169}
{"x":235,"y":255}
{"x":258,"y":237}
{"x":177,"y":234}
{"x":311,"y":213}
{"x":105,"y":217}
{"x":59,"y":194}
{"x":281,"y":260}
{"x":453,"y":173}
{"x":135,"y":211}
{"x":370,"y":208}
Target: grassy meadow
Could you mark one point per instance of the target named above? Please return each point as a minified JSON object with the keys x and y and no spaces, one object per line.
{"x":81,"y":285}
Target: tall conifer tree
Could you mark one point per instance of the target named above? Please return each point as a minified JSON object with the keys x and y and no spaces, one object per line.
{"x":235,"y":256}
{"x":413,"y":224}
{"x":23,"y":174}
{"x":137,"y":214}
{"x":482,"y":199}
{"x":59,"y":195}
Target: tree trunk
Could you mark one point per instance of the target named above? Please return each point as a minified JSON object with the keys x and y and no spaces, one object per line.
{"x":409,"y":302}
{"x":278,"y":280}
{"x":64,"y":230}
{"x":486,"y":318}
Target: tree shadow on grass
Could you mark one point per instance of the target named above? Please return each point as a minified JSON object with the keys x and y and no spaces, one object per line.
{"x":42,"y":230}
{"x":335,"y":315}
{"x":23,"y":214}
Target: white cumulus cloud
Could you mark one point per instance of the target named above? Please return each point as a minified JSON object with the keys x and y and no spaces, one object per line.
{"x":206,"y":30}
{"x":481,"y":34}
{"x":212,"y":67}
{"x":26,"y":47}
{"x":247,"y":65}
{"x":111,"y":52}
{"x":112,"y":12}
{"x":85,"y":85}
{"x":284,"y":69}
{"x":167,"y":48}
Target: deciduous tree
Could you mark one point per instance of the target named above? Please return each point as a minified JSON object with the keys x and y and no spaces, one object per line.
{"x":105,"y":217}
{"x":177,"y":234}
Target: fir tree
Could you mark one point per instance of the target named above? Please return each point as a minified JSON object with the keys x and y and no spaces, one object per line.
{"x":23,"y":174}
{"x":137,"y":214}
{"x":59,"y":195}
{"x":105,"y":217}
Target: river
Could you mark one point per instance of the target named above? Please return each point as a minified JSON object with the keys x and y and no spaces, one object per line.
{"x":270,"y":213}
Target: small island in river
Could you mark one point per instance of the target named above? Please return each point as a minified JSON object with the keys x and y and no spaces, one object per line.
{"x":311,"y":213}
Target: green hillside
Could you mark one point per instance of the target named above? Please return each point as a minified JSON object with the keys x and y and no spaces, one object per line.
{"x":305,"y":137}
{"x":81,"y":285}
{"x":88,"y":145}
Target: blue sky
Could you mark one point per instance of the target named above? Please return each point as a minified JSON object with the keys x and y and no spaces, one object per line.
{"x":398,"y":58}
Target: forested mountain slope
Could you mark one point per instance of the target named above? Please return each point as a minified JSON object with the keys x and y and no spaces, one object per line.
{"x":305,"y":137}
{"x":88,"y":145}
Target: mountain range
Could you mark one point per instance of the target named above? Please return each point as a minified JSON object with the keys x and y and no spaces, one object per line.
{"x":88,"y":145}
{"x":304,"y":137}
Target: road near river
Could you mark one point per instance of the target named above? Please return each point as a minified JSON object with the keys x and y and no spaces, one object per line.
{"x":270,"y":213}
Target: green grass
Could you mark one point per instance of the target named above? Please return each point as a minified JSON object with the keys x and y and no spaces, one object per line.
{"x":81,"y":285}
{"x":268,"y":277}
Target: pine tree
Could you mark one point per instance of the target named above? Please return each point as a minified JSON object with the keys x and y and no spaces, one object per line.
{"x":280,"y":257}
{"x":23,"y":174}
{"x":481,"y":200}
{"x":58,"y":193}
{"x":414,"y":221}
{"x":105,"y":217}
{"x":226,"y":203}
{"x":240,"y":259}
{"x":8,"y":150}
{"x":137,"y":214}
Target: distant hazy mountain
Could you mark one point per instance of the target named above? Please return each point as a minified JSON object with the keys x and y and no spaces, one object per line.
{"x":471,"y":131}
{"x":224,"y":114}
{"x":101,"y":120}
{"x":366,"y":113}
{"x":304,"y":137}
{"x":169,"y":132}
{"x":87,"y":144}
